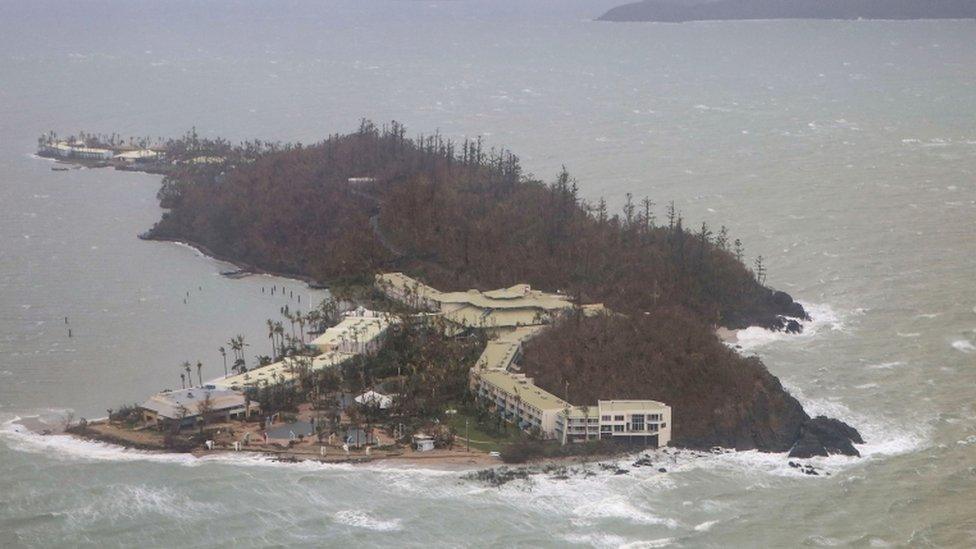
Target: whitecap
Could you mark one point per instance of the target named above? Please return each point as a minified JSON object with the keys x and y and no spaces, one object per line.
{"x":885,"y":365}
{"x":595,"y":539}
{"x":361,"y":519}
{"x":963,"y":345}
{"x":705,"y":526}
{"x":649,"y":544}
{"x":617,"y":507}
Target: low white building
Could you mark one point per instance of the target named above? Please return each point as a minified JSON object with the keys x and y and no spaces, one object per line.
{"x":374,"y":399}
{"x":423,"y":443}
{"x":285,"y":371}
{"x":360,"y":332}
{"x":63,"y":149}
{"x":187,"y":406}
{"x":137,"y":156}
{"x":639,"y":422}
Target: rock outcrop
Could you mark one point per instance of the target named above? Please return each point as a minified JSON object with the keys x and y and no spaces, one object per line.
{"x":824,"y":436}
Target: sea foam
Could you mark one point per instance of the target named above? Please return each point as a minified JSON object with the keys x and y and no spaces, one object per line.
{"x":822,"y":318}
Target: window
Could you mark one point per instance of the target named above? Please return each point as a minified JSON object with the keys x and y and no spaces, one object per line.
{"x":605,"y":429}
{"x":618,"y":428}
{"x":618,"y":418}
{"x":637,"y":422}
{"x":663,"y":425}
{"x":605,"y":418}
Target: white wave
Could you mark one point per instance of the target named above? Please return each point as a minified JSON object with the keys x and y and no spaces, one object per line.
{"x":964,"y":346}
{"x":595,"y":539}
{"x":67,"y":447}
{"x":705,"y":526}
{"x":822,"y":317}
{"x":885,"y":365}
{"x":618,"y":507}
{"x":649,"y":544}
{"x":909,"y":335}
{"x":137,"y":501}
{"x":882,"y":437}
{"x":361,"y":519}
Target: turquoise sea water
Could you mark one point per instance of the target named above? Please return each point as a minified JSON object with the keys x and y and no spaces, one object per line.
{"x":843,"y":152}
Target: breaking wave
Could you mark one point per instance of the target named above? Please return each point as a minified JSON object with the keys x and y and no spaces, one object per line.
{"x":362,"y":519}
{"x":823,"y":318}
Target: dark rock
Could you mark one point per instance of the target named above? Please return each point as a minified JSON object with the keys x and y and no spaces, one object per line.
{"x":794,"y":464}
{"x":785,"y":304}
{"x":808,"y":445}
{"x":824,"y":424}
{"x":793,"y":327}
{"x":823,"y":436}
{"x":662,"y":470}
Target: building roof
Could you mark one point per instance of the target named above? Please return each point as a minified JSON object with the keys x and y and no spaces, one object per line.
{"x":528,"y":392}
{"x":625,"y":406}
{"x":372,"y":398}
{"x":281,"y":371}
{"x":137,"y":154}
{"x":170,"y":404}
{"x":498,"y":355}
{"x":520,"y":296}
{"x":358,"y":328}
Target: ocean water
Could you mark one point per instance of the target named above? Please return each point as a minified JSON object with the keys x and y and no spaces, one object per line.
{"x":843,"y":152}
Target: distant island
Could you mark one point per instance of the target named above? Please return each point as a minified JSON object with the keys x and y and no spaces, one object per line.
{"x":677,"y":11}
{"x":503,"y":303}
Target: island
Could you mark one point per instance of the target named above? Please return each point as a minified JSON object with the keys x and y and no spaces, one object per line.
{"x":677,"y":11}
{"x":473,"y":309}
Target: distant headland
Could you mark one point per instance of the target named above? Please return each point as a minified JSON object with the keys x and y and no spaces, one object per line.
{"x":677,"y":11}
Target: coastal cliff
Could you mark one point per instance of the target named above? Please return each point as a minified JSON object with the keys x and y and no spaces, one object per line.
{"x":459,"y":217}
{"x":671,"y":11}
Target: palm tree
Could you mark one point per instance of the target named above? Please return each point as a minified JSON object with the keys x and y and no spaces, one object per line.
{"x":279,"y":330}
{"x":301,"y":325}
{"x":188,"y":370}
{"x":232,"y":342}
{"x":223,"y":354}
{"x":200,"y":372}
{"x":271,"y":336}
{"x":182,"y":380}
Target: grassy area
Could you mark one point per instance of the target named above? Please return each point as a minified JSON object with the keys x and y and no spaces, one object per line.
{"x":480,"y":440}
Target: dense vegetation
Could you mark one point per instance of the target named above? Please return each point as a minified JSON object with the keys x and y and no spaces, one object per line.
{"x":459,"y":219}
{"x":458,"y":216}
{"x":718,"y":398}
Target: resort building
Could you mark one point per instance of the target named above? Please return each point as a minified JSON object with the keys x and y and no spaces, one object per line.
{"x":137,"y":156}
{"x":360,"y":332}
{"x":284,"y":371}
{"x":519,"y":401}
{"x":63,"y":149}
{"x":187,"y":406}
{"x":640,"y":422}
{"x":496,"y":311}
